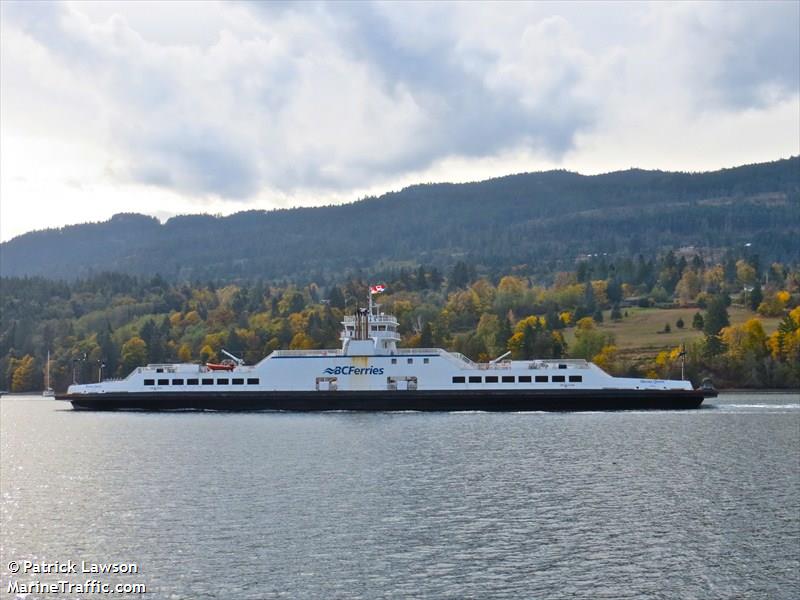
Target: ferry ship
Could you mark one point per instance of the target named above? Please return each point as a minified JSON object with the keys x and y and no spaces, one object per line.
{"x":370,"y":373}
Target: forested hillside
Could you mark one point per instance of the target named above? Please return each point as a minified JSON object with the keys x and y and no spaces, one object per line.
{"x":121,"y":321}
{"x":535,"y":224}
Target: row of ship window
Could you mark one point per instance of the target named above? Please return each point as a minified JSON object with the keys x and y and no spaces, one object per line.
{"x":520,"y":379}
{"x":204,"y":381}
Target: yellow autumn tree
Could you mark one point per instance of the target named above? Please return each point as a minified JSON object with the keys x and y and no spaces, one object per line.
{"x":784,"y":343}
{"x":132,"y":355}
{"x":487,"y":330}
{"x":746,"y":338}
{"x":191,"y":318}
{"x":774,"y":304}
{"x":533,"y":321}
{"x":666,"y":362}
{"x":207,"y":354}
{"x":301,"y":341}
{"x":688,"y":287}
{"x":745,"y":273}
{"x":24,"y":377}
{"x":589,"y":341}
{"x":185,"y":353}
{"x":176,"y":319}
{"x":483,"y":295}
{"x":607,"y":359}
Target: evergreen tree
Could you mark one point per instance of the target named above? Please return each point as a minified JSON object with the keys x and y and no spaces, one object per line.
{"x":614,"y":290}
{"x":756,"y":297}
{"x":713,"y":346}
{"x":108,"y":350}
{"x":426,"y":336}
{"x":233,"y":343}
{"x":589,"y":302}
{"x":459,"y":276}
{"x":296,"y":303}
{"x":697,"y":321}
{"x":420,"y":279}
{"x":504,"y":333}
{"x":528,"y":342}
{"x":716,"y":316}
{"x":435,"y":278}
{"x":583,"y":272}
{"x":616,"y":315}
{"x":336,"y":298}
{"x":551,"y":319}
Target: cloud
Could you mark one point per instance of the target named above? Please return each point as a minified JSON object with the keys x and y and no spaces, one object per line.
{"x":237,"y":103}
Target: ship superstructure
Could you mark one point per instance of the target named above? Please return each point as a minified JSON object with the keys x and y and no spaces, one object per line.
{"x":369,"y":372}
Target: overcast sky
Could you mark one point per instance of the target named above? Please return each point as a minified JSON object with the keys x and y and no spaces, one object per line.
{"x":173,"y":108}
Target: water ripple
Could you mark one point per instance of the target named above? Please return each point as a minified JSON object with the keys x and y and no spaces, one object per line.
{"x":689,"y":504}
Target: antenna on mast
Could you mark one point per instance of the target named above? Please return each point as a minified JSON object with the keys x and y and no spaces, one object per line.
{"x":683,"y":361}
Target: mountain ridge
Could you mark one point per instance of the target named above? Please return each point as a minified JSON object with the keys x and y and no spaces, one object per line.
{"x":525,"y":218}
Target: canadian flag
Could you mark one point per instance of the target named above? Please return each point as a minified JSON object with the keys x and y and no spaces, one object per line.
{"x":377,"y":289}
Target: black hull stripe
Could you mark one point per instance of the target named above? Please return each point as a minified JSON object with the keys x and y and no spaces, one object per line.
{"x":420,"y":400}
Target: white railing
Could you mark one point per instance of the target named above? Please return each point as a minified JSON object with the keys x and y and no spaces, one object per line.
{"x":505,"y":364}
{"x":405,"y":351}
{"x":572,"y":363}
{"x":373,"y":319}
{"x":392,"y":335}
{"x":306,"y":353}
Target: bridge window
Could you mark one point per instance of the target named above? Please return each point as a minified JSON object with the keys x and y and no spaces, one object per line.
{"x":426,"y":360}
{"x":475,"y":379}
{"x":238,"y":381}
{"x":394,"y":361}
{"x":222,"y":382}
{"x":163,"y":382}
{"x":524,"y":378}
{"x":410,"y":361}
{"x":558,"y":379}
{"x":252,"y":381}
{"x":192,"y":381}
{"x":576,"y":378}
{"x":491,"y":379}
{"x":177,"y":382}
{"x":208,"y":381}
{"x":159,"y":370}
{"x":149,"y":381}
{"x":562,"y":366}
{"x":508,"y":379}
{"x":459,"y":380}
{"x":541,"y":379}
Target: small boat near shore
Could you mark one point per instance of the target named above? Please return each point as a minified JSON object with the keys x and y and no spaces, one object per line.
{"x":370,"y":373}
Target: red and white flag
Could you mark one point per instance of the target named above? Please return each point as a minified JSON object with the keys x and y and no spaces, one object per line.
{"x":377,"y":289}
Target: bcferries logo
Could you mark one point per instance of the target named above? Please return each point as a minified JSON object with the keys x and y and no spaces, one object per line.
{"x":350,"y":370}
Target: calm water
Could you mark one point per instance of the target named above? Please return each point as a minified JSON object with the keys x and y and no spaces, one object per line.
{"x":696,"y":504}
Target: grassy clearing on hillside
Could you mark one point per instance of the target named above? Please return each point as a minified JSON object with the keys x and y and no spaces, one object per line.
{"x":638,"y":333}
